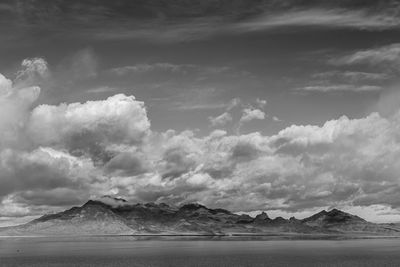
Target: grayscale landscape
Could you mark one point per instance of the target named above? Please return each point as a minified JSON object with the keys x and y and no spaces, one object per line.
{"x":199,"y":133}
{"x":111,"y":216}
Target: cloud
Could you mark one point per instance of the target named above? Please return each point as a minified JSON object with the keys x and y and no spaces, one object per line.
{"x":275,"y":118}
{"x":322,"y":17}
{"x":5,"y":86}
{"x":101,"y":89}
{"x":386,"y":56}
{"x":15,"y":103}
{"x":81,"y":65}
{"x":118,"y":119}
{"x":344,"y":162}
{"x":235,"y":102}
{"x":340,"y":88}
{"x":250,"y":114}
{"x":178,"y":160}
{"x":145,"y":67}
{"x":345,"y":81}
{"x":263,"y":19}
{"x":389,"y":101}
{"x":32,"y":70}
{"x":220,"y":120}
{"x":261,"y":103}
{"x":199,"y":99}
{"x":249,"y":111}
{"x":115,"y":202}
{"x":42,"y":168}
{"x":52,"y":156}
{"x":177,"y":22}
{"x":126,"y":164}
{"x":171,"y":68}
{"x":352,"y":76}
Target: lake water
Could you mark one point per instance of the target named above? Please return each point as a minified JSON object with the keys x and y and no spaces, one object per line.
{"x":131,"y":251}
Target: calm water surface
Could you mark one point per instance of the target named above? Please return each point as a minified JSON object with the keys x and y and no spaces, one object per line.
{"x":130,"y":251}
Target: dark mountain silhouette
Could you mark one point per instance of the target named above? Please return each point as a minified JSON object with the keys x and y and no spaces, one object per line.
{"x":117,"y":216}
{"x":337,"y":220}
{"x":333,"y":217}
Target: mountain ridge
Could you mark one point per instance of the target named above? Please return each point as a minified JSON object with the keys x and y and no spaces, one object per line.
{"x":111,"y":216}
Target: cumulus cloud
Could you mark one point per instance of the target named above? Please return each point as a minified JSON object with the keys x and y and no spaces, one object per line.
{"x":126,"y":164}
{"x":344,"y":161}
{"x":15,"y":103}
{"x":32,"y":69}
{"x":250,"y":114}
{"x":5,"y":86}
{"x":60,"y":155}
{"x":87,"y":127}
{"x":42,"y":168}
{"x":250,"y":111}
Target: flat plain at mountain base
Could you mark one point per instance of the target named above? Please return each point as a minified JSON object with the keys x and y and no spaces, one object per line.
{"x":130,"y":251}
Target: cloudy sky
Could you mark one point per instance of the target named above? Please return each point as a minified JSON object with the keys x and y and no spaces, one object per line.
{"x":287,"y":106}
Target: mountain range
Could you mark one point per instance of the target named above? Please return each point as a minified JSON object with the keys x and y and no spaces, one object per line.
{"x":115,"y":216}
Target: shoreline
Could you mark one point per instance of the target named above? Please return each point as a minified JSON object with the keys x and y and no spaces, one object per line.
{"x":215,"y":237}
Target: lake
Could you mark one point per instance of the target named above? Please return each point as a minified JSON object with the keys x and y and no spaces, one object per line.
{"x":176,"y":252}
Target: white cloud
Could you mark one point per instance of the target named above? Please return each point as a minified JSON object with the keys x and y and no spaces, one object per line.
{"x":5,"y":86}
{"x":275,"y":118}
{"x":15,"y":102}
{"x":235,"y":102}
{"x":340,"y":88}
{"x":49,"y":157}
{"x":220,"y":120}
{"x":344,"y":162}
{"x":250,"y":114}
{"x":353,"y":76}
{"x":261,"y":102}
{"x":32,"y":69}
{"x":101,"y":89}
{"x":386,"y":56}
{"x":331,"y":18}
{"x":145,"y":67}
{"x":118,"y":119}
{"x":198,"y":71}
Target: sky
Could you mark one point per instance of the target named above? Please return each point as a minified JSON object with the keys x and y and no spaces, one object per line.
{"x":288,"y":106}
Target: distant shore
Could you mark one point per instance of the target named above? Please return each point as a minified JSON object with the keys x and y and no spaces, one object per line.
{"x":235,"y":236}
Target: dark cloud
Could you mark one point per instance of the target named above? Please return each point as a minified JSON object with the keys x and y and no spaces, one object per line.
{"x":177,"y":162}
{"x":35,"y":170}
{"x":187,"y":20}
{"x":57,"y":197}
{"x":126,"y":164}
{"x":62,"y":10}
{"x":243,"y":151}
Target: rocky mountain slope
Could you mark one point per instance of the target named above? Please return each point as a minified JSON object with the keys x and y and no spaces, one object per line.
{"x":116,"y":217}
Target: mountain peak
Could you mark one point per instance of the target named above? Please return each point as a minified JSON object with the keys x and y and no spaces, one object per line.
{"x":334,"y":216}
{"x":336,"y":212}
{"x":192,"y":206}
{"x":262,"y":217}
